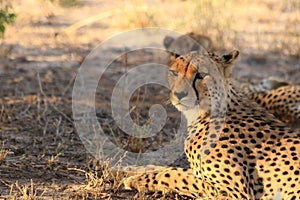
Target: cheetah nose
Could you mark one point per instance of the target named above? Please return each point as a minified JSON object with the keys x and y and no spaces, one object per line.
{"x":180,"y":95}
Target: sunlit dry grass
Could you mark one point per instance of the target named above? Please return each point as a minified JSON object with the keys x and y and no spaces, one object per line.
{"x":26,"y":191}
{"x":252,"y":25}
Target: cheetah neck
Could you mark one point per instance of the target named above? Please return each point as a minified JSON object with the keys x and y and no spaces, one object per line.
{"x":238,"y":102}
{"x":200,"y":111}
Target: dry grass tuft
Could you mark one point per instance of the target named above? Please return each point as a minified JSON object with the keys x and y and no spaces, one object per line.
{"x":3,"y":154}
{"x":26,"y":191}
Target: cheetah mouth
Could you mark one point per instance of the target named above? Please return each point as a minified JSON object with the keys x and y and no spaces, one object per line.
{"x":186,"y":105}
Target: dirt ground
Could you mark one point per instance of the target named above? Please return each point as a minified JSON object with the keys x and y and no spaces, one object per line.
{"x":41,"y":153}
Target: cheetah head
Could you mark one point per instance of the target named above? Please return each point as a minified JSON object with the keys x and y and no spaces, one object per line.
{"x":197,"y":79}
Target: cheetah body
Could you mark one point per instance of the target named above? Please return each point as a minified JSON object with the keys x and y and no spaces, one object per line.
{"x":283,"y":102}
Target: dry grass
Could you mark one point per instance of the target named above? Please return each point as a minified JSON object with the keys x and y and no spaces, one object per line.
{"x":252,"y":25}
{"x":3,"y":153}
{"x":26,"y":191}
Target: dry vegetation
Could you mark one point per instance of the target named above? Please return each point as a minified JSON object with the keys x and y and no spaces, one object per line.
{"x":41,"y":154}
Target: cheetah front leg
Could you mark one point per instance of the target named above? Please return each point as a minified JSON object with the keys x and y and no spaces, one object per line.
{"x":170,"y":179}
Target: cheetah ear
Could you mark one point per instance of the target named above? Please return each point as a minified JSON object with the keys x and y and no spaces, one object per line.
{"x":228,"y":61}
{"x":168,"y":40}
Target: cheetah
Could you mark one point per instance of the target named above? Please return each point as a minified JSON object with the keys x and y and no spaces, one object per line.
{"x":267,"y":84}
{"x":236,"y":149}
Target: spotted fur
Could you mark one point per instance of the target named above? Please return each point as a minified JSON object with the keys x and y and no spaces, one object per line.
{"x":283,"y":102}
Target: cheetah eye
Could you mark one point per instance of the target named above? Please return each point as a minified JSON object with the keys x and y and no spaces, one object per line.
{"x":174,"y":73}
{"x":200,"y":75}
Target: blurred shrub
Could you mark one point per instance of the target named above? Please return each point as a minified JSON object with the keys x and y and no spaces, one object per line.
{"x":7,"y":16}
{"x":214,"y":18}
{"x":66,"y":3}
